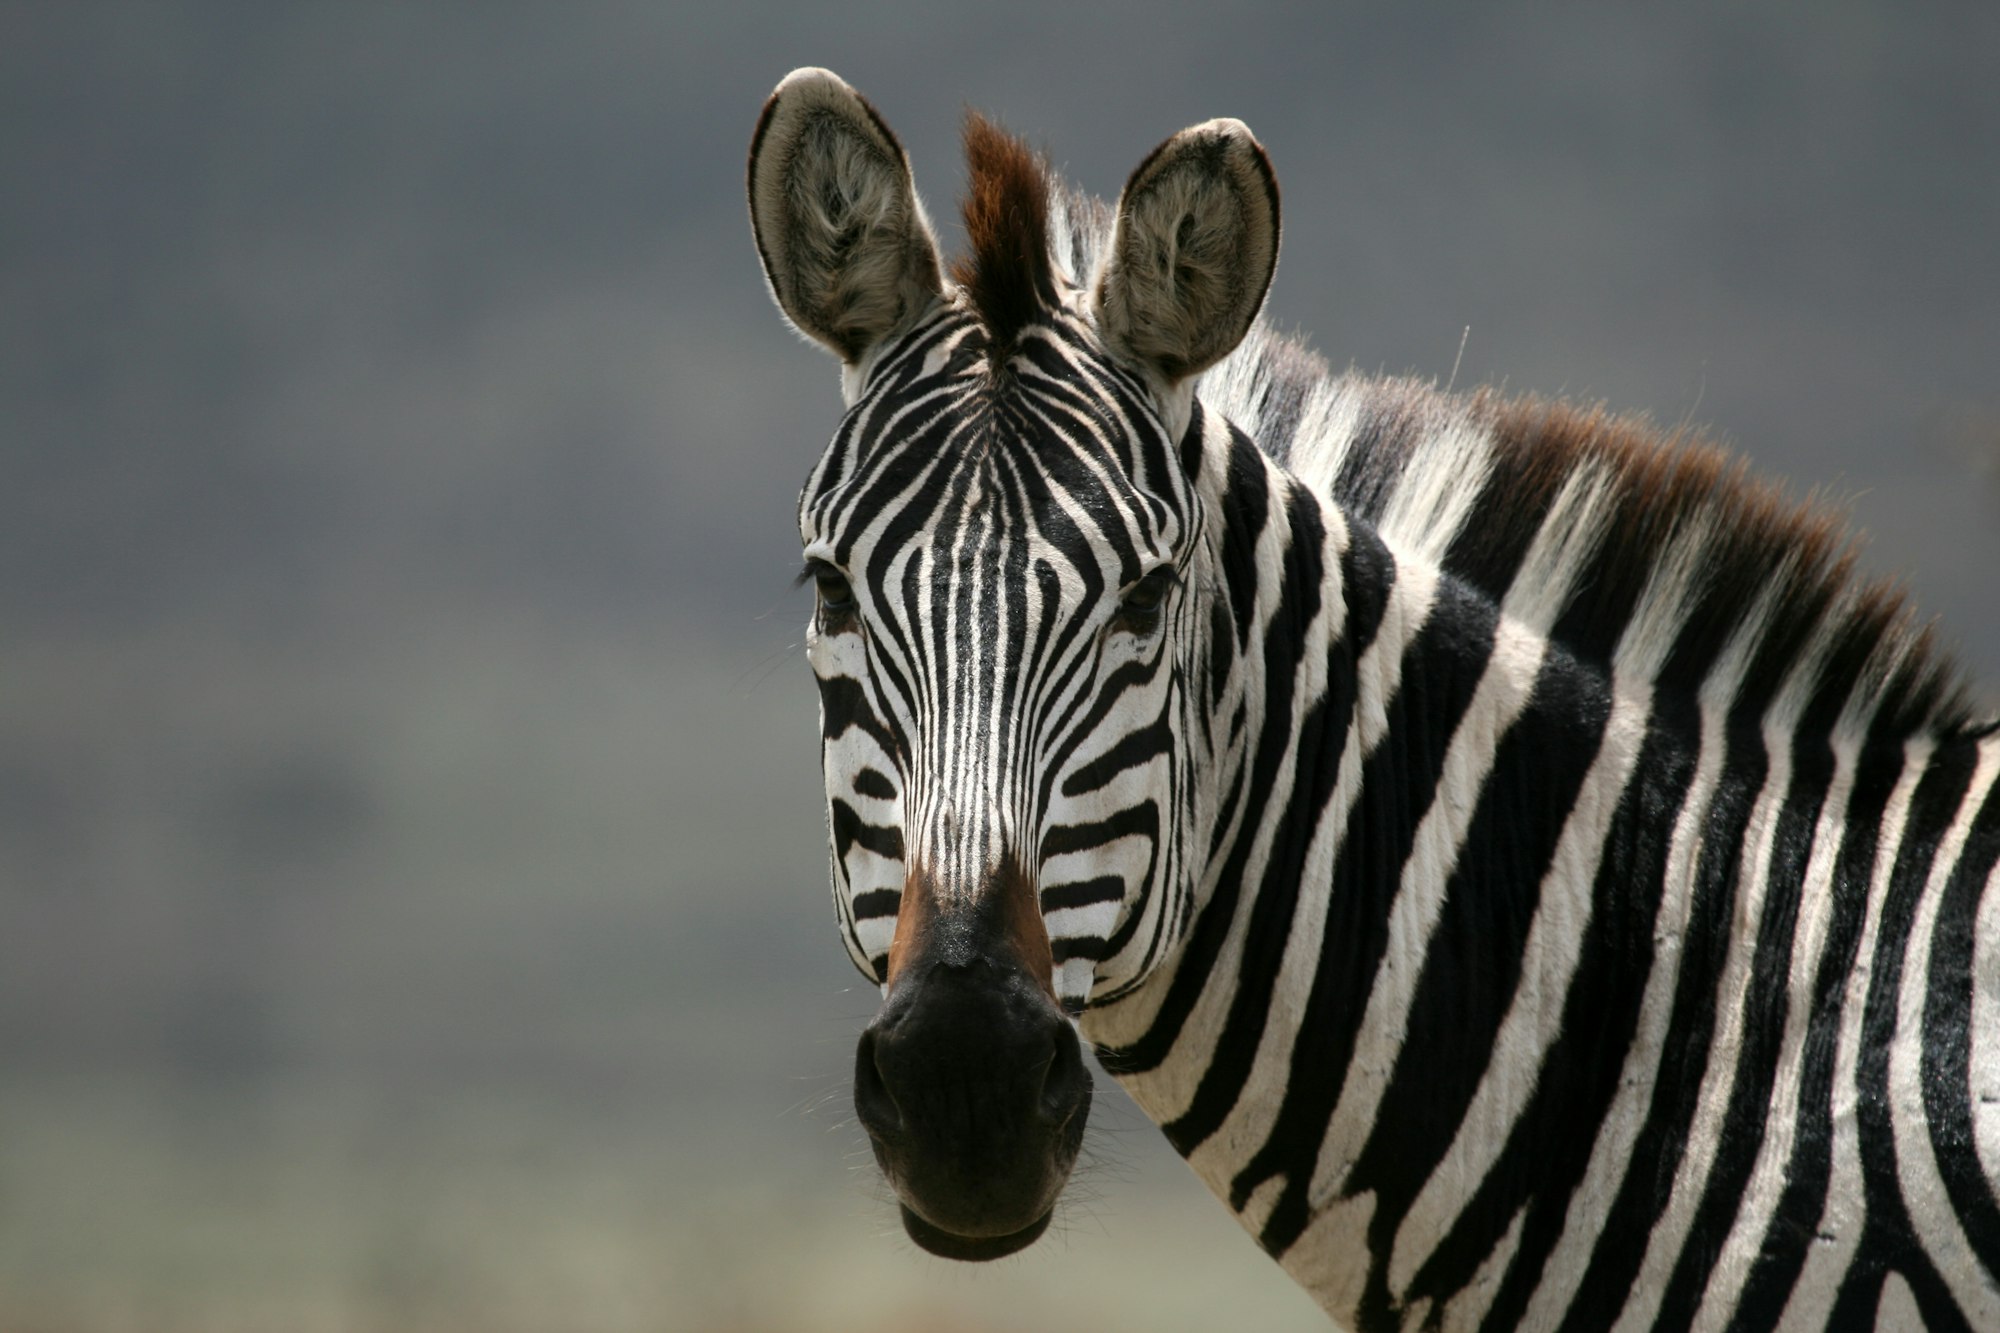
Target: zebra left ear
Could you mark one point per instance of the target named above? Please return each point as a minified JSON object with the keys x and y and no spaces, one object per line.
{"x":845,"y":244}
{"x":1196,"y":242}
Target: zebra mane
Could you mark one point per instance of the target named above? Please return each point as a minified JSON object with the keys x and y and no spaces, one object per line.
{"x":1672,"y":536}
{"x":1006,"y":213}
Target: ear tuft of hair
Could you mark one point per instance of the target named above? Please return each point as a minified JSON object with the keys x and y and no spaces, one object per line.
{"x":1008,"y":274}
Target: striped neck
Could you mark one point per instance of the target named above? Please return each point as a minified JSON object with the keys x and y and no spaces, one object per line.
{"x":1475,"y":867}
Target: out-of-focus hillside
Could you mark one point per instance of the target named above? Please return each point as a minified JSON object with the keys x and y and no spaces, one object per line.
{"x":438,"y":987}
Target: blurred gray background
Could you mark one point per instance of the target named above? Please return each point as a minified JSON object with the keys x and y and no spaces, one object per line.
{"x":412,"y":893}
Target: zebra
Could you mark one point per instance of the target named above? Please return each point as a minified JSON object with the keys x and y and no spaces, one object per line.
{"x":1527,"y":873}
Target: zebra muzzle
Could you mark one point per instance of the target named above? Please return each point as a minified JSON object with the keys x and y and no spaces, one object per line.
{"x":973,"y":1090}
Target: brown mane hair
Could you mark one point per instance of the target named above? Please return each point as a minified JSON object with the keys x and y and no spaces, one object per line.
{"x":1755,"y":550}
{"x":1007,"y":275}
{"x":1660,"y":482}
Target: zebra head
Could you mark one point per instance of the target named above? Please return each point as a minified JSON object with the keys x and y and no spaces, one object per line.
{"x":1013,"y":556}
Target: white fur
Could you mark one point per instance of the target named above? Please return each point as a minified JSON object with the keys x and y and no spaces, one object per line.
{"x":1841,"y":1220}
{"x":1896,"y":1311}
{"x":1436,"y":493}
{"x":1611,"y":1154}
{"x":1467,"y":1310}
{"x":1535,"y":1015}
{"x":1413,"y":915}
{"x":1986,"y":1023}
{"x":1705,"y":1132}
{"x":1937,"y":1227}
{"x":1768,"y":1176}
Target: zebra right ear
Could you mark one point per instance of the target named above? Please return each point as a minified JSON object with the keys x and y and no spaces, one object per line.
{"x":846,"y":247}
{"x":1196,"y":242}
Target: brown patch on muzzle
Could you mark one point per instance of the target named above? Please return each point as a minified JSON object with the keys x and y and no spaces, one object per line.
{"x":1006,"y":912}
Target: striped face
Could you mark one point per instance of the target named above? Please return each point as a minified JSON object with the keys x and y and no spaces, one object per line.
{"x":1000,"y":551}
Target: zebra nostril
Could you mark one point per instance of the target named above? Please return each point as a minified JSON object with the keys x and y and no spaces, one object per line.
{"x":873,"y":1102}
{"x":1066,"y":1083}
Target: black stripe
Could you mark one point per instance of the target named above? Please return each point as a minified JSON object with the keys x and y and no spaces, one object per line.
{"x":1245,"y":509}
{"x":1767,"y":1005}
{"x":1947,"y":1046}
{"x":1142,"y":819}
{"x":1008,"y":635}
{"x":1194,"y":441}
{"x":1473,"y":965}
{"x":1887,"y":1242}
{"x":1549,"y":1148}
{"x":873,"y":784}
{"x":876,"y":903}
{"x":851,"y":830}
{"x":1282,"y":651}
{"x":1657,"y":1153}
{"x":1487,"y":552}
{"x":1084,"y":946}
{"x":1440,"y":674}
{"x":1132,"y":750}
{"x":1378,"y":455}
{"x":1795,"y":1222}
{"x":1098,"y":706}
{"x":1083,"y":893}
{"x":1472,"y":969}
{"x":843,"y":703}
{"x":1322,"y":735}
{"x":1221,"y":655}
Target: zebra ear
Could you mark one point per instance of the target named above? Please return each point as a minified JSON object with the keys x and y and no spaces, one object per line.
{"x":845,"y":244}
{"x":1196,"y":242}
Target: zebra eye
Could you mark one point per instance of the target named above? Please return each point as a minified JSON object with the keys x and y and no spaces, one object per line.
{"x":836,"y":594}
{"x":1139,"y":608}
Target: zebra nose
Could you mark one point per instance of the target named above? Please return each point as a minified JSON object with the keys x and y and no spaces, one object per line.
{"x":873,"y":1102}
{"x":954,"y":1066}
{"x":973,"y":1091}
{"x":1066,"y":1085}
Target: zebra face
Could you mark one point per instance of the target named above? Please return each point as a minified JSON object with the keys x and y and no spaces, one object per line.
{"x":1001,"y":642}
{"x":1008,"y":552}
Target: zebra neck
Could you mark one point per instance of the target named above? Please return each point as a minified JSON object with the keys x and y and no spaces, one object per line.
{"x":1492,"y":933}
{"x":1335,"y":671}
{"x":1396,"y":756}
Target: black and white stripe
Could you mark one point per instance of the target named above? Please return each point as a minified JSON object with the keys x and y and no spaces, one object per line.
{"x":1558,"y":1020}
{"x":1524,"y":872}
{"x":980,"y":706}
